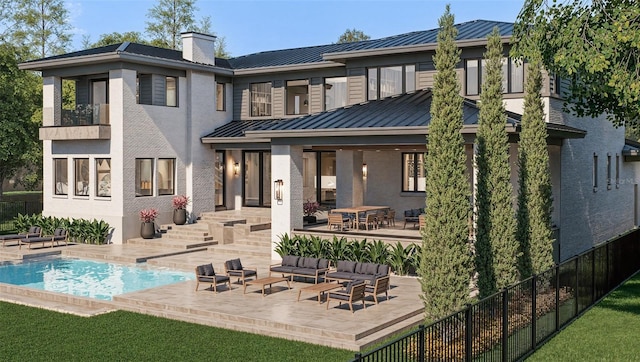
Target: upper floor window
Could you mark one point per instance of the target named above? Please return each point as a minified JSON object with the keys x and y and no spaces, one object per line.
{"x":413,"y":172}
{"x":297,"y":96}
{"x":335,"y":93}
{"x":220,"y":97}
{"x":103,"y":177}
{"x":388,"y":81}
{"x":261,"y":99}
{"x":158,"y":90}
{"x":99,"y":92}
{"x":512,"y":76}
{"x":81,"y":176}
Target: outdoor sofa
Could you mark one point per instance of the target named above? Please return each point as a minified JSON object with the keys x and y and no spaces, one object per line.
{"x":301,"y":266}
{"x":347,"y":270}
{"x":412,"y":216}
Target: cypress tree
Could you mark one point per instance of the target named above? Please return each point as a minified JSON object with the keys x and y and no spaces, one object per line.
{"x":496,"y":245}
{"x":446,"y":265}
{"x":535,"y":198}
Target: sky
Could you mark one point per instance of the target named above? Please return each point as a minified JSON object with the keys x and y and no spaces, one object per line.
{"x":251,"y":26}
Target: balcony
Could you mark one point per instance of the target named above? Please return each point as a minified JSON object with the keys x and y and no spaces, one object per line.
{"x":86,"y":122}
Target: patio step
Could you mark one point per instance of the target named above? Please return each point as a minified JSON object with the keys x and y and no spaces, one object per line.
{"x":173,"y":243}
{"x":239,"y":250}
{"x":128,"y":253}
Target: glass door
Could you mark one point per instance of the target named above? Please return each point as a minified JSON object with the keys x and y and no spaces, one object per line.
{"x":257,"y":178}
{"x":218,"y":179}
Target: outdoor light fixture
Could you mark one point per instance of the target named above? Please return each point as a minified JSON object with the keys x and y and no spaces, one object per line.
{"x":236,"y":169}
{"x":364,"y":170}
{"x":278,"y":189}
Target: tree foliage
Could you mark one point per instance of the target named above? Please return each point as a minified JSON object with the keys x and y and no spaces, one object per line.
{"x":169,"y":18}
{"x":446,"y":264}
{"x":41,"y":26}
{"x":20,"y":93}
{"x":352,"y":35}
{"x":595,"y":43}
{"x":115,"y":38}
{"x":496,"y":246}
{"x":535,"y":198}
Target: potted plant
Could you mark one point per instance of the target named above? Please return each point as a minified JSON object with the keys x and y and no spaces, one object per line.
{"x":148,"y":226}
{"x":180,"y":203}
{"x":310,"y":208}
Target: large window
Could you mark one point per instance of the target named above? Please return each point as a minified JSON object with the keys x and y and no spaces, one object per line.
{"x":413,"y":172}
{"x":389,"y":81}
{"x":61,"y":176}
{"x":261,"y":99}
{"x":298,"y":96}
{"x":220,"y":97}
{"x":158,"y":90}
{"x":171,"y":92}
{"x":144,"y":177}
{"x":335,"y":93}
{"x":512,"y":76}
{"x":81,"y":171}
{"x":166,"y":174}
{"x":103,"y":177}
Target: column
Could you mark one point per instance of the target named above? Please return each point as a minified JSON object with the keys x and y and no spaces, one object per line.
{"x":350,"y":186}
{"x":286,"y":214}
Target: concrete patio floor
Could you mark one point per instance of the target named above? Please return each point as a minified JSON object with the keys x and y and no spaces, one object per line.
{"x":277,"y":314}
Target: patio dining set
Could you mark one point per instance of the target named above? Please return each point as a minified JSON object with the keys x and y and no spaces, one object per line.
{"x":365,"y":217}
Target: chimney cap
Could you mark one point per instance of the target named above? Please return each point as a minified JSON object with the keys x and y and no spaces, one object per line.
{"x":195,"y":34}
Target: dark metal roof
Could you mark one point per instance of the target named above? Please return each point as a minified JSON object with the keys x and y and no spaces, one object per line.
{"x":402,"y":111}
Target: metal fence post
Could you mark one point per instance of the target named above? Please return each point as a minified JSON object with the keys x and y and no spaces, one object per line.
{"x":557,"y":297}
{"x":534,"y":295}
{"x":468,"y":334}
{"x":505,"y":325}
{"x":577,"y":275}
{"x":357,"y":357}
{"x":421,"y":347}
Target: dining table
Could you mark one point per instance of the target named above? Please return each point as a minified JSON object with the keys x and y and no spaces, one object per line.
{"x":356,"y":210}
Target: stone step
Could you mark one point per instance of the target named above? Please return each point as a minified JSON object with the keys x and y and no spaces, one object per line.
{"x":173,"y":243}
{"x":400,"y":326}
{"x":240,"y":250}
{"x":127,"y":253}
{"x":190,"y":237}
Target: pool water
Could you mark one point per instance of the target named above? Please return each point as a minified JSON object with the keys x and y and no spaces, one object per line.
{"x":87,"y":278}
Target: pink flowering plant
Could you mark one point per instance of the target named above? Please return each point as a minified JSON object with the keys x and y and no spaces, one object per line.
{"x":148,"y":215}
{"x":310,"y":208}
{"x":180,"y":201}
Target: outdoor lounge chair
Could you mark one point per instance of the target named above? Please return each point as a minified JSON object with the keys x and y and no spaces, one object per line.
{"x":234,"y":269}
{"x":379,"y":286}
{"x":33,"y":232}
{"x":352,"y":293}
{"x":205,"y":274}
{"x":59,"y":235}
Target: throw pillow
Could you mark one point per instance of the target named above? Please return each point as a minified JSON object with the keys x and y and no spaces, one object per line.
{"x":311,"y":263}
{"x":236,"y":264}
{"x":208,"y":270}
{"x":290,"y":260}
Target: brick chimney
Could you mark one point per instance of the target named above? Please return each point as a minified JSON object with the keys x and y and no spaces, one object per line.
{"x":199,"y":48}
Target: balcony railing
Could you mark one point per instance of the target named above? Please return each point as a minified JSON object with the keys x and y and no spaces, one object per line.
{"x":85,"y":114}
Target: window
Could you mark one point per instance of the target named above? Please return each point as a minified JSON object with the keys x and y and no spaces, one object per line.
{"x":166,"y":172}
{"x":158,"y":90}
{"x":413,"y":172}
{"x":608,"y":171}
{"x":218,"y":177}
{"x":171,"y":92}
{"x":512,"y":76}
{"x":220,"y":97}
{"x":81,"y":176}
{"x":261,"y":99}
{"x":61,"y":176}
{"x":144,"y":177}
{"x":103,"y":177}
{"x":389,"y":81}
{"x":297,"y":96}
{"x":335,"y":93}
{"x":99,"y":92}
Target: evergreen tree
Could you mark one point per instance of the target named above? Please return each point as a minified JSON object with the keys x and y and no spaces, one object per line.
{"x":446,"y":264}
{"x":41,"y":26}
{"x":352,"y":35}
{"x":496,"y":246}
{"x":535,"y":198}
{"x":169,"y":18}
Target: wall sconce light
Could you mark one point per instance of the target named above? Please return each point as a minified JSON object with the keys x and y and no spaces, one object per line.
{"x":278,"y":190}
{"x":236,"y":169}
{"x":364,"y":170}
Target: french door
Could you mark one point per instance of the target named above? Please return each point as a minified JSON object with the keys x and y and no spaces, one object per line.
{"x":256,"y":189}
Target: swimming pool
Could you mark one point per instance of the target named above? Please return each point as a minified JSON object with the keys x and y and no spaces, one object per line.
{"x":87,"y":278}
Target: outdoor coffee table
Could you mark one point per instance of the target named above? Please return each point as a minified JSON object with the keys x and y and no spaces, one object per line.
{"x":319,"y":288}
{"x":266,"y":281}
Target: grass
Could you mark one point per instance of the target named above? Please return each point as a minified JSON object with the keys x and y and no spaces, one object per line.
{"x":32,"y":334}
{"x":607,"y":332}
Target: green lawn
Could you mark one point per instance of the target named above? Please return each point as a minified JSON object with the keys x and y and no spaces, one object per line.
{"x":32,"y":334}
{"x":607,"y":332}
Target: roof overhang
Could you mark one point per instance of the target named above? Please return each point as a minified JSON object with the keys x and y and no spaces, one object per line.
{"x":341,"y":57}
{"x":286,"y":68}
{"x":118,"y":56}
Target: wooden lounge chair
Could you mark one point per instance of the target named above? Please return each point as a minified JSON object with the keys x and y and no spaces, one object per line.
{"x":233,"y":269}
{"x":370,"y":220}
{"x":352,"y":293}
{"x":337,"y":219}
{"x":381,"y":285}
{"x":59,"y":235}
{"x":33,"y":232}
{"x":205,"y":274}
{"x":390,"y":218}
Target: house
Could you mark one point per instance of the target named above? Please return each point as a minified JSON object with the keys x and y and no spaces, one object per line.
{"x":276,"y":128}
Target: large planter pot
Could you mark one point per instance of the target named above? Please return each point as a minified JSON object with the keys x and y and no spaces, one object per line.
{"x":147,"y":230}
{"x":309,"y":219}
{"x":180,"y":216}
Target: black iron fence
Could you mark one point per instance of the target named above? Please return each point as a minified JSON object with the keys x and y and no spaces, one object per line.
{"x":511,"y":324}
{"x":10,"y":209}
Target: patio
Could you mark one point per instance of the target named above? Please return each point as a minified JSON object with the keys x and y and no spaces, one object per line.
{"x":278,"y":314}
